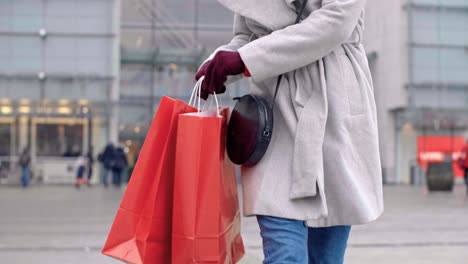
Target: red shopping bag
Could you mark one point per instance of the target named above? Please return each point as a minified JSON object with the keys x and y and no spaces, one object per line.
{"x":206,"y":217}
{"x":141,"y":232}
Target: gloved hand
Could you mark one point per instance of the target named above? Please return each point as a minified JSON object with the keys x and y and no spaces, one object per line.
{"x":201,"y":72}
{"x":223,"y":64}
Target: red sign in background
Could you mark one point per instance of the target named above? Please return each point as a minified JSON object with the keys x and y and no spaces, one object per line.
{"x":439,"y":148}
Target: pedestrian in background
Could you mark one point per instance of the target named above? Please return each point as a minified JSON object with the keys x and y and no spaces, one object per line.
{"x":90,"y":165}
{"x":463,"y":161}
{"x":131,"y":168}
{"x":24,"y":162}
{"x":107,"y":160}
{"x":321,"y":172}
{"x":119,"y":165}
{"x":80,"y":167}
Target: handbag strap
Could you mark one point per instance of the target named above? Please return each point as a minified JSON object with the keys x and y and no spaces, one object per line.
{"x":298,"y":19}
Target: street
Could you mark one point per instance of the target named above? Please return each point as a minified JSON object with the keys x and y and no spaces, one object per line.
{"x":62,"y":225}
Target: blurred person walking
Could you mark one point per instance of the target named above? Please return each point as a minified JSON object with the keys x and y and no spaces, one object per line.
{"x":24,"y":162}
{"x":463,"y":161}
{"x":119,"y":165}
{"x":90,"y":160}
{"x":107,"y":160}
{"x":80,"y":166}
{"x":131,"y":168}
{"x":322,"y":172}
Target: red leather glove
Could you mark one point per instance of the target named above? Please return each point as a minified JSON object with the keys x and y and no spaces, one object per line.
{"x":223,"y":64}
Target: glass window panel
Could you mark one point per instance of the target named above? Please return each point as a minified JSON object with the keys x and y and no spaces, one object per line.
{"x":131,"y":114}
{"x":425,"y":97}
{"x":425,"y":74}
{"x":61,"y":8}
{"x":92,"y":66}
{"x":444,"y":3}
{"x":135,"y":80}
{"x":454,"y":37}
{"x":27,"y":7}
{"x":5,"y":139}
{"x":132,"y":14}
{"x":218,"y":14}
{"x":26,"y":46}
{"x":6,"y":7}
{"x":453,"y":2}
{"x":5,"y":46}
{"x":454,"y":66}
{"x":425,"y":57}
{"x":94,"y":25}
{"x":4,"y":84}
{"x":27,"y":23}
{"x":18,"y":89}
{"x":424,"y":19}
{"x":60,"y":65}
{"x":60,"y":47}
{"x":454,"y":58}
{"x":425,"y":36}
{"x":6,"y":22}
{"x":179,"y":11}
{"x":5,"y":65}
{"x":214,"y":39}
{"x":100,"y":8}
{"x":96,"y":91}
{"x":26,"y":54}
{"x":453,"y":20}
{"x":139,"y":40}
{"x":61,"y":24}
{"x":55,"y":140}
{"x":440,"y":65}
{"x":93,"y":48}
{"x":29,"y":65}
{"x":447,"y":26}
{"x":56,"y":90}
{"x":454,"y":75}
{"x":433,"y":2}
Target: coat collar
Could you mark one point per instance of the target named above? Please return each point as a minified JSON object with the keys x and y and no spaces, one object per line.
{"x":273,"y":14}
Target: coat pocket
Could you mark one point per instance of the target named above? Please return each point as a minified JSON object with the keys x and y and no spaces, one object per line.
{"x":352,"y":86}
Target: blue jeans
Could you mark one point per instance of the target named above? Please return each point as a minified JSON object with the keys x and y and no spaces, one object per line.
{"x":117,"y":177}
{"x":288,"y":241}
{"x":105,"y":176}
{"x":25,"y":176}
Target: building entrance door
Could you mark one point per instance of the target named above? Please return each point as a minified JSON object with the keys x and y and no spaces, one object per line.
{"x":7,"y":158}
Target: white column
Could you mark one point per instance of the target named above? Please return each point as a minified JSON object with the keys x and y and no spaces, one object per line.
{"x":115,"y":89}
{"x":22,"y":133}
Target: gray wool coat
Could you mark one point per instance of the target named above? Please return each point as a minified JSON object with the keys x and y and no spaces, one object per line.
{"x":323,"y":163}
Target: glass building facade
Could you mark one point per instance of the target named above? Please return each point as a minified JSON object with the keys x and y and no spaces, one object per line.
{"x":437,"y":88}
{"x":439,"y":53}
{"x":162,"y":44}
{"x":58,"y":70}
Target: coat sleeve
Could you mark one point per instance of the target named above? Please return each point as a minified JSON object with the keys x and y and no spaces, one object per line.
{"x":299,"y":45}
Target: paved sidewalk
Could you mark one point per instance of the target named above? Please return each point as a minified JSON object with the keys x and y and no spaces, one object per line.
{"x":58,"y":224}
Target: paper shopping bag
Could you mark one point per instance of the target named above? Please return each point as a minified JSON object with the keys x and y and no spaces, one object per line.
{"x":141,"y":232}
{"x":206,"y":217}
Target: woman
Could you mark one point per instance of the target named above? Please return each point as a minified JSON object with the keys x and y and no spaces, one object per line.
{"x":321,"y":173}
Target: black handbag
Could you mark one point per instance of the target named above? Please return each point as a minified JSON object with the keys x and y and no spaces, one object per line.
{"x":251,"y":124}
